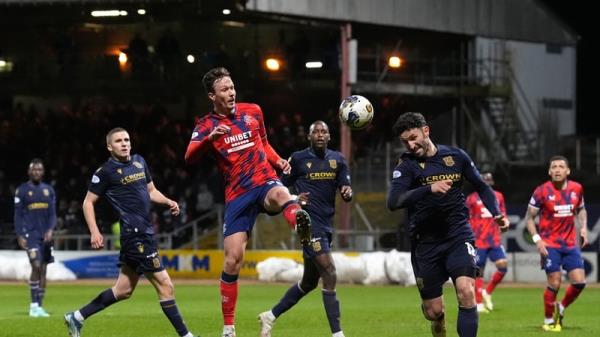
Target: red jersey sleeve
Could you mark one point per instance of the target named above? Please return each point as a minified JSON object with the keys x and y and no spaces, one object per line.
{"x":199,"y":141}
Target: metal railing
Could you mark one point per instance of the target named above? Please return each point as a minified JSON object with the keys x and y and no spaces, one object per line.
{"x":194,"y":228}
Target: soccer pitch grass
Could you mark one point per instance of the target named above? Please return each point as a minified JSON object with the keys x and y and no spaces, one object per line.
{"x":367,"y":311}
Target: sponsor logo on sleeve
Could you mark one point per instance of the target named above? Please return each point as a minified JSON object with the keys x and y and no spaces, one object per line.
{"x":95,"y":179}
{"x":396,"y":174}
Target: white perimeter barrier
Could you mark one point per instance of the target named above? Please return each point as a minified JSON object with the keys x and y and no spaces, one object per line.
{"x":14,"y":265}
{"x":366,"y":268}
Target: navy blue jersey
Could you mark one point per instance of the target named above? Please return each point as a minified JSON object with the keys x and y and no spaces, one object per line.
{"x":125,"y":184}
{"x":433,"y":217}
{"x":35,"y":209}
{"x":322,"y":177}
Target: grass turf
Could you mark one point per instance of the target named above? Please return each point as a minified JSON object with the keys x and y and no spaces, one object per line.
{"x":373,"y":311}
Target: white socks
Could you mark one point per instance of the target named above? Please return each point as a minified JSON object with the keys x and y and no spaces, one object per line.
{"x":78,"y":316}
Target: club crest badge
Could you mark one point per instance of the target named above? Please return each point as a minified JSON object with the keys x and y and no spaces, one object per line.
{"x":138,"y":164}
{"x":316,"y":246}
{"x":249,"y":120}
{"x":140,"y":247}
{"x":333,"y":163}
{"x":46,"y":192}
{"x":448,"y":160}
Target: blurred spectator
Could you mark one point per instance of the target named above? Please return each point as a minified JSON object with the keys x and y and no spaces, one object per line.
{"x":137,"y":52}
{"x":169,"y":55}
{"x":204,"y":199}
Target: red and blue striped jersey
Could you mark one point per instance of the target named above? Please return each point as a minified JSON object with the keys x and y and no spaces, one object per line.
{"x":557,"y":212}
{"x":244,"y":156}
{"x":487,"y":232}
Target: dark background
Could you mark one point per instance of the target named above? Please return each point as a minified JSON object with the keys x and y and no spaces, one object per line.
{"x":578,"y":17}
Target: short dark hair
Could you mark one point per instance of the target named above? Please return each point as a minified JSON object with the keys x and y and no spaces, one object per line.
{"x":312,"y":126}
{"x":36,"y":161}
{"x":211,"y":76}
{"x":112,"y":132}
{"x":407,"y":121}
{"x":558,"y":157}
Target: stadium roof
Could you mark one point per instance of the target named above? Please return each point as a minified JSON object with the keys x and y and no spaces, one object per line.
{"x":526,"y":20}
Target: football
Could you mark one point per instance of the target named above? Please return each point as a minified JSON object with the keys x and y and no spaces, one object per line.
{"x":356,"y":111}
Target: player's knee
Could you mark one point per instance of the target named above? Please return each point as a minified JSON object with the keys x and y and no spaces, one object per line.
{"x":36,"y":266}
{"x":502,"y":266}
{"x":166,"y":290}
{"x":123,"y":293}
{"x":308,"y":285}
{"x":279,"y":196}
{"x":466,"y":296}
{"x":232,"y":264}
{"x":36,"y":270}
{"x":329,"y":280}
{"x":554,"y":283}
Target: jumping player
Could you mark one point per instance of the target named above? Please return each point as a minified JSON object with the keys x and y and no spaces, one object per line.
{"x":428,"y":182}
{"x":235,"y":134}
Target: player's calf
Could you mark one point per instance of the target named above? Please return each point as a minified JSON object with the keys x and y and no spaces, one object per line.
{"x":438,"y":321}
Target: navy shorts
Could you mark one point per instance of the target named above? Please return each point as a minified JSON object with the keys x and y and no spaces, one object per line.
{"x":140,"y":253}
{"x":38,"y":250}
{"x":433,"y":263}
{"x":568,"y":258}
{"x":241,"y":212}
{"x":494,"y":253}
{"x":319,"y":244}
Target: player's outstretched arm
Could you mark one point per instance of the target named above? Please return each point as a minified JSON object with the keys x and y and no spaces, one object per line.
{"x":201,"y":138}
{"x":159,"y":198}
{"x":96,"y":240}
